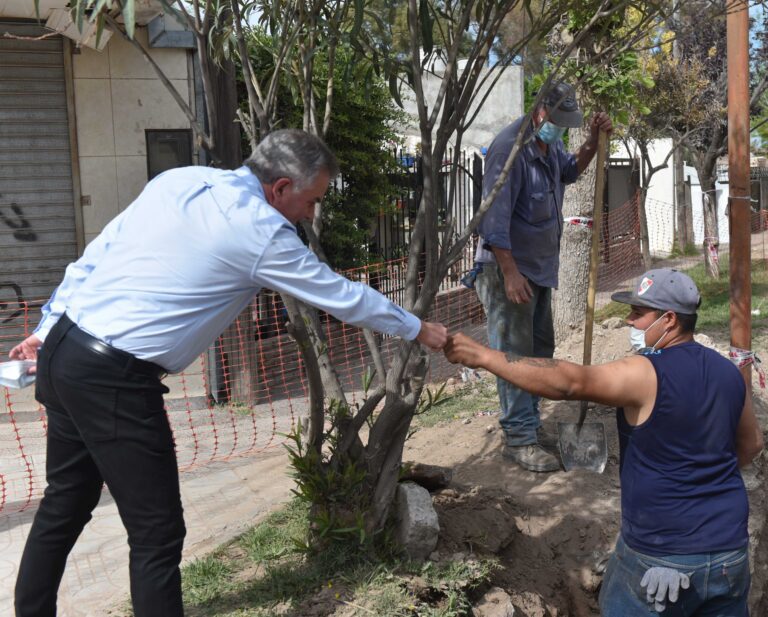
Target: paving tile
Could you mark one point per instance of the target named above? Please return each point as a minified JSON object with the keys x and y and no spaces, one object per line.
{"x":220,"y":501}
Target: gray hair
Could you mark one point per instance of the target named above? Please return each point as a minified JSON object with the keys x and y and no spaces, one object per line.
{"x":292,"y":154}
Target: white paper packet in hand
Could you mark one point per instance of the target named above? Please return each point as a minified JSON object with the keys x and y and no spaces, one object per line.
{"x":14,"y":374}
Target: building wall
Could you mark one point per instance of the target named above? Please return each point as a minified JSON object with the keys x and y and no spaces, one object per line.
{"x":503,"y":105}
{"x":117,"y":96}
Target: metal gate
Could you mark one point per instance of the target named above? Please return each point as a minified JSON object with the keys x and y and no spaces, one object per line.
{"x":37,"y":213}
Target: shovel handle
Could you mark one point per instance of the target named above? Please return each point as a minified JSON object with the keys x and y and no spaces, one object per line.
{"x":594,"y":256}
{"x":582,"y":417}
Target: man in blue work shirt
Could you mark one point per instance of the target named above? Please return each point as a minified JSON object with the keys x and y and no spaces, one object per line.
{"x":149,"y":294}
{"x":519,"y":250}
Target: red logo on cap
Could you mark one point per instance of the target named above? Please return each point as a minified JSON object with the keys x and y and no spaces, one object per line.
{"x":645,"y":285}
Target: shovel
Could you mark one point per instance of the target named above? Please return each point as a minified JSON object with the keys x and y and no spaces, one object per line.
{"x":584,"y":446}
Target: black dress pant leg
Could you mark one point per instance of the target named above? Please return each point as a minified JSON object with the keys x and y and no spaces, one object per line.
{"x":73,"y":489}
{"x":126,"y":440}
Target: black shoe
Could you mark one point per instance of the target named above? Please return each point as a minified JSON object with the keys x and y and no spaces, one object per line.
{"x":531,"y":457}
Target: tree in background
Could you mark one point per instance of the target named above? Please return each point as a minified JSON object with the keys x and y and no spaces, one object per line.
{"x":759,"y":67}
{"x":668,"y":91}
{"x":601,"y":85}
{"x":700,"y":37}
{"x":699,"y":30}
{"x":363,"y":138}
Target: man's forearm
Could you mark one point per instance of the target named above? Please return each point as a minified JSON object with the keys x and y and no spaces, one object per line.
{"x":749,"y":435}
{"x":586,"y":153}
{"x":552,"y":379}
{"x":506,"y":262}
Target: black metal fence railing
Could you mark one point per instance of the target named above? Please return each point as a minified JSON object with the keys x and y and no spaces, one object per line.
{"x":460,"y":193}
{"x":387,"y":250}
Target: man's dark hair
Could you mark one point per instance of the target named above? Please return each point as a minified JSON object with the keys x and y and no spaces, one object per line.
{"x":687,"y":322}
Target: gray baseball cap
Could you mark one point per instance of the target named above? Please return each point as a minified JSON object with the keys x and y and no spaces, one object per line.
{"x":664,"y":289}
{"x":562,"y":107}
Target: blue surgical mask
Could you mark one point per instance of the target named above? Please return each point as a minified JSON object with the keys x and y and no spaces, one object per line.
{"x":637,"y":338}
{"x":549,"y":133}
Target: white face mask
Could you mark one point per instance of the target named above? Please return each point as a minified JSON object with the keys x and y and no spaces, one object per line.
{"x":637,"y":338}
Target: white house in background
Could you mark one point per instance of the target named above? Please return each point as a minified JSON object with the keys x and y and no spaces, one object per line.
{"x":81,"y":132}
{"x":503,"y":106}
{"x":660,"y":202}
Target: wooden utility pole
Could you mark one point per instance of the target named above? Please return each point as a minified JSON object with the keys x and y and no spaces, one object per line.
{"x":738,"y":179}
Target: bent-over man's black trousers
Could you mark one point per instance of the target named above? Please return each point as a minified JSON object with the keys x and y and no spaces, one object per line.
{"x":106,"y":424}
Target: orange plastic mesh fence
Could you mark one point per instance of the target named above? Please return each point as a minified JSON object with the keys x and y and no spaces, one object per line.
{"x":242,"y":395}
{"x":238,"y":398}
{"x":626,"y":252}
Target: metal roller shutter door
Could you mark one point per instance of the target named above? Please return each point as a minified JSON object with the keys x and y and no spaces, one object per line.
{"x":37,"y":213}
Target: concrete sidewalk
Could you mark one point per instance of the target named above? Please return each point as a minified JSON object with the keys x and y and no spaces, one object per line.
{"x":220,"y":501}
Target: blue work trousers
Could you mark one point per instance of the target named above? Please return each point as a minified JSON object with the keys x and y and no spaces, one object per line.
{"x":719,"y":584}
{"x":523,"y":330}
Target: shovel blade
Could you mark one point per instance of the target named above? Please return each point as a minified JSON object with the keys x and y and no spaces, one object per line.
{"x":585,"y":449}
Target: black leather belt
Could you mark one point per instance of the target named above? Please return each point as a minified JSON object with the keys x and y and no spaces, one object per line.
{"x":126,"y":360}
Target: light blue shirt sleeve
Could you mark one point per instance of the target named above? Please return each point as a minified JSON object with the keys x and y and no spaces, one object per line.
{"x":168,"y":275}
{"x":287,"y":266}
{"x":74,"y":276}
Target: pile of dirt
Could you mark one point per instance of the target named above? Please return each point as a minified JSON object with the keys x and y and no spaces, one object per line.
{"x":552,"y":533}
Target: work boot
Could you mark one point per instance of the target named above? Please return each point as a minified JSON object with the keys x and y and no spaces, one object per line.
{"x":531,"y":457}
{"x":547,"y":439}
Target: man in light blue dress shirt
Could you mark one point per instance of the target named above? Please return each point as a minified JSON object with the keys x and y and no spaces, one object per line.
{"x":519,"y":250}
{"x":150,"y":294}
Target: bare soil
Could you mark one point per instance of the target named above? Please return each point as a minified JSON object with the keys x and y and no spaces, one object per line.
{"x":552,"y":533}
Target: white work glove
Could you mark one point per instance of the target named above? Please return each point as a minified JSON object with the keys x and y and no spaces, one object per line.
{"x":663,"y":582}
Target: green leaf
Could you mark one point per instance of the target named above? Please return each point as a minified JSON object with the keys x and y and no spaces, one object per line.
{"x":394,"y":91}
{"x":80,"y":14}
{"x":368,"y":378}
{"x":99,"y":29}
{"x":358,"y":23}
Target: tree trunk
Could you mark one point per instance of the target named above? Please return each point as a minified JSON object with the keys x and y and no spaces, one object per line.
{"x":711,"y":233}
{"x":228,"y":147}
{"x":570,"y":299}
{"x":689,"y":213}
{"x":239,"y":359}
{"x":384,"y":452}
{"x":645,"y":239}
{"x":681,"y":205}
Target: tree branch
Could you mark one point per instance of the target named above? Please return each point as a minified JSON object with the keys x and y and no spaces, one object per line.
{"x":255,"y":99}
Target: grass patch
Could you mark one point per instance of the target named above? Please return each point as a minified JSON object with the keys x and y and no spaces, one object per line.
{"x":263,"y":572}
{"x":690,"y":250}
{"x":204,"y":579}
{"x":236,"y":407}
{"x":464,"y":402}
{"x":715,"y":293}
